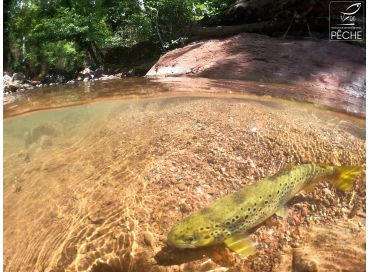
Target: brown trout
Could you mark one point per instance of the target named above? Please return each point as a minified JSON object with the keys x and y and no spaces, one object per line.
{"x":228,"y":219}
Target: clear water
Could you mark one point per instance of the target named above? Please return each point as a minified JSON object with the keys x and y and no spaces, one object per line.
{"x":96,"y":175}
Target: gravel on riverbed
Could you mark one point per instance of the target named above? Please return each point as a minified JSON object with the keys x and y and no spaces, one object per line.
{"x":157,"y":161}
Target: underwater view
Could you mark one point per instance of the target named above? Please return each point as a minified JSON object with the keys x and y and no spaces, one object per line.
{"x":102,"y":176}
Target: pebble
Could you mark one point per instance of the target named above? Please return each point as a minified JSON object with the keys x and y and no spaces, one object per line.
{"x":328,"y":192}
{"x":304,"y":211}
{"x":239,"y":158}
{"x":148,"y":238}
{"x":302,"y":262}
{"x":185,"y":208}
{"x":181,"y":187}
{"x":251,"y":163}
{"x":207,"y":266}
{"x":17,"y":188}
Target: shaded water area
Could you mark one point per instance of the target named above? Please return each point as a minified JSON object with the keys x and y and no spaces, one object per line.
{"x":97,"y":186}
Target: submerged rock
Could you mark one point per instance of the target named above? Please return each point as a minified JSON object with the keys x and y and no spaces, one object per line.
{"x":148,"y":238}
{"x":302,"y":262}
{"x":41,"y":134}
{"x":45,"y":141}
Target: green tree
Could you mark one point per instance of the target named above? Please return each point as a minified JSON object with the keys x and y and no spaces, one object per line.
{"x":39,"y":34}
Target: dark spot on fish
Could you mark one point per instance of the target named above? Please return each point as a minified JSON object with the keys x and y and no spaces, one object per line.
{"x":233,"y":220}
{"x":201,"y":229}
{"x":255,"y":204}
{"x":249,"y":209}
{"x":266,"y":202}
{"x":254,"y":209}
{"x":217,"y":226}
{"x":228,"y":223}
{"x":237,"y":217}
{"x":207,"y":237}
{"x":246,"y":216}
{"x":270,"y":195}
{"x":208,"y":227}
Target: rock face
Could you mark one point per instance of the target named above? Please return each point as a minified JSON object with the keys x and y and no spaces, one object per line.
{"x":322,"y":65}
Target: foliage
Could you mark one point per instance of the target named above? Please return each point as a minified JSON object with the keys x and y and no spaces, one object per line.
{"x":63,"y":55}
{"x":67,"y":34}
{"x":208,"y":8}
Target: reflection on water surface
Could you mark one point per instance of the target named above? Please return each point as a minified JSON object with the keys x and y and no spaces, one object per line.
{"x":94,"y":91}
{"x":96,"y":187}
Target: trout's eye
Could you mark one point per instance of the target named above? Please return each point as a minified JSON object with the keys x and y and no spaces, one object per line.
{"x":189,"y":239}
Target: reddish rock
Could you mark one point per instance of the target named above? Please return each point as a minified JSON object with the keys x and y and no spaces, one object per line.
{"x":304,"y":211}
{"x":324,"y":70}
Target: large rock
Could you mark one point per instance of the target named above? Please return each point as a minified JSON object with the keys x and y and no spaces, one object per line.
{"x":6,"y":78}
{"x":19,"y":78}
{"x":99,"y":72}
{"x":85,"y":73}
{"x":327,"y":67}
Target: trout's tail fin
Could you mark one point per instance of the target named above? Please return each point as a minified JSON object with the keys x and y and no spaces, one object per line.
{"x":344,"y":176}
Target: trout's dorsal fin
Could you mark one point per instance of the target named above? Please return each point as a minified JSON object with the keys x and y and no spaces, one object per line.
{"x":241,"y":243}
{"x":282,"y":212}
{"x":288,"y":167}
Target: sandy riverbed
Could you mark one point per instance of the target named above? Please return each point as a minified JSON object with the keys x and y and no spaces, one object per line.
{"x":100,"y":191}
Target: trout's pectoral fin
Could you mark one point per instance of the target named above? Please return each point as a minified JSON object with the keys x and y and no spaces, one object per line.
{"x":310,"y":188}
{"x":282,"y":212}
{"x":241,"y":243}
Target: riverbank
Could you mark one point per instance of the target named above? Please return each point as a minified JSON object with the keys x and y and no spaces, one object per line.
{"x":18,"y":82}
{"x":315,"y":71}
{"x":332,"y":69}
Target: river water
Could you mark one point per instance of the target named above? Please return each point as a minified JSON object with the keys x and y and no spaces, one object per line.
{"x":95,"y":175}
